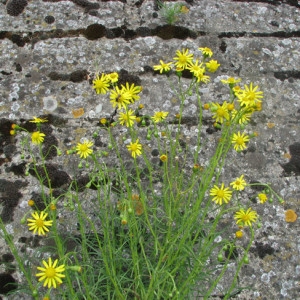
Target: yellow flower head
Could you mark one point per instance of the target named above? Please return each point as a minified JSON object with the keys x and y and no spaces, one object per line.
{"x":250,"y":96}
{"x":239,"y":234}
{"x":113,"y":77}
{"x":163,"y":67}
{"x":245,"y":218}
{"x":103,"y":121}
{"x":38,"y":223}
{"x":239,"y":140}
{"x":239,"y":184}
{"x":38,"y":120}
{"x":30,"y":202}
{"x":132,"y":91}
{"x":135,"y":148}
{"x":120,"y":97}
{"x":37,"y":137}
{"x":183,"y":59}
{"x":127,"y":118}
{"x":212,"y":66}
{"x":262,"y":198}
{"x":101,"y":84}
{"x":231,"y":81}
{"x":220,"y":194}
{"x":195,"y":68}
{"x":206,"y":52}
{"x":51,"y":273}
{"x":220,"y":112}
{"x":201,"y":77}
{"x":163,"y":157}
{"x":159,"y":116}
{"x":83,"y":149}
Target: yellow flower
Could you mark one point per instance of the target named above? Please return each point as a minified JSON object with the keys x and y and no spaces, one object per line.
{"x":206,"y":106}
{"x":201,"y":77}
{"x":240,"y":141}
{"x":220,"y":112}
{"x":239,"y":184}
{"x":127,"y":118}
{"x":30,"y":202}
{"x":230,"y":81}
{"x":245,"y":218}
{"x":37,"y":137}
{"x":250,"y":96}
{"x":83,"y":149}
{"x":135,"y":148}
{"x":120,"y":98}
{"x":163,"y":157}
{"x":101,"y":84}
{"x":239,"y":234}
{"x":132,"y":91}
{"x":113,"y":77}
{"x":163,"y":67}
{"x":244,"y":117}
{"x":212,"y":66}
{"x":262,"y":198}
{"x":51,"y":273}
{"x":38,"y":120}
{"x":206,"y":51}
{"x":159,"y":116}
{"x":38,"y":223}
{"x":103,"y":121}
{"x":195,"y":68}
{"x":220,"y":194}
{"x":183,"y":58}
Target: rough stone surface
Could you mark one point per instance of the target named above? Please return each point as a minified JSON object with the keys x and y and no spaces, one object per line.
{"x":50,"y":48}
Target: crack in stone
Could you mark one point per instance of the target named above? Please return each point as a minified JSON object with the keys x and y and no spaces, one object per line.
{"x":98,"y":31}
{"x":272,"y":2}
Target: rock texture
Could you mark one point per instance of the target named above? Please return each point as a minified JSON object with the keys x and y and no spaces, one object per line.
{"x":50,"y":48}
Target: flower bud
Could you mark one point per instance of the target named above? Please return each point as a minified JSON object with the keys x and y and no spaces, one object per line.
{"x":220,"y":257}
{"x":246,"y":259}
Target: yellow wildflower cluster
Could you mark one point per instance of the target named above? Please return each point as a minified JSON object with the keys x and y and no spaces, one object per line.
{"x":184,"y":60}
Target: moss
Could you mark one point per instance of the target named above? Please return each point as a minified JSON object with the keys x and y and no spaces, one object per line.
{"x":15,"y":7}
{"x":49,"y":19}
{"x":57,"y":177}
{"x":10,"y":197}
{"x":7,"y":283}
{"x":95,"y":31}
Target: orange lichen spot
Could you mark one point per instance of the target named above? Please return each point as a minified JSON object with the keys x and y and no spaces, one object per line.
{"x":78,"y":112}
{"x":287,"y":155}
{"x":290,"y":216}
{"x":270,"y":125}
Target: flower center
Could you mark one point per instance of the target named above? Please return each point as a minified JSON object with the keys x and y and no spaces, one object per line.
{"x":39,"y":223}
{"x":183,"y":59}
{"x":99,"y":84}
{"x":245,"y":218}
{"x":133,"y":147}
{"x":221,"y":112}
{"x":83,"y":148}
{"x":220,"y":194}
{"x":50,"y":272}
{"x":35,"y":135}
{"x":251,"y":96}
{"x":240,"y":141}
